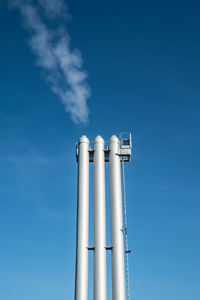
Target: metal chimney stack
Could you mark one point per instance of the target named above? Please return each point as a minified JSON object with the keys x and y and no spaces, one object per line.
{"x":118,"y":149}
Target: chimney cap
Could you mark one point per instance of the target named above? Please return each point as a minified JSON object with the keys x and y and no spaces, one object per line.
{"x":98,"y":139}
{"x":84,"y":139}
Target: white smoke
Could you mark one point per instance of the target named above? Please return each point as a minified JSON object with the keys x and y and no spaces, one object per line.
{"x":63,"y":66}
{"x":54,"y":8}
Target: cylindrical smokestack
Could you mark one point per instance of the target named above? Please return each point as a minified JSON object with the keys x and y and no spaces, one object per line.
{"x":81,"y":282}
{"x":99,"y":221}
{"x":118,"y":274}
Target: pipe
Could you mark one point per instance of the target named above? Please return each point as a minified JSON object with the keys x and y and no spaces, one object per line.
{"x":118,"y":273}
{"x":82,"y":227}
{"x":99,"y":221}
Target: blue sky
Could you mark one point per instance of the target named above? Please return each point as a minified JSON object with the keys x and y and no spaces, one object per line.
{"x":143,"y":60}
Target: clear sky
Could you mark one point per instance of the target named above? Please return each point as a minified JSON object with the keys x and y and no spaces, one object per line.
{"x":143,"y":64}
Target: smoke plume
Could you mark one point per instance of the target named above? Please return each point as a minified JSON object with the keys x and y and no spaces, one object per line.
{"x":51,"y":44}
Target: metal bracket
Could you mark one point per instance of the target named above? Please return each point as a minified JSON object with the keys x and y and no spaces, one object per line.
{"x":108,"y":248}
{"x":91,"y":248}
{"x":128,"y":251}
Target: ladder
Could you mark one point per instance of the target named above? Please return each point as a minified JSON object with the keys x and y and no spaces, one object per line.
{"x":127,"y":251}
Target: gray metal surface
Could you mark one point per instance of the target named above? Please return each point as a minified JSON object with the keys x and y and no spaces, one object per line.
{"x":81,"y":280}
{"x":118,"y":272}
{"x":99,"y":221}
